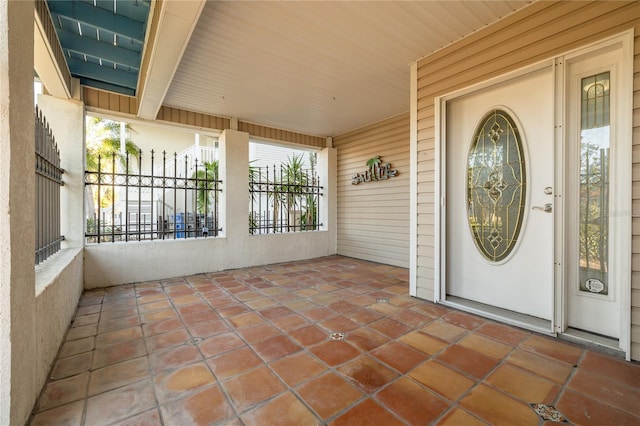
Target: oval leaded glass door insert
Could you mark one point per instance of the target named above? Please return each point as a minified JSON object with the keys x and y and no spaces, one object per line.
{"x":496,"y":185}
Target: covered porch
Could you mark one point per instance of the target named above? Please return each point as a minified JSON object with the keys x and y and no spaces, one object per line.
{"x":376,"y":327}
{"x":332,"y":340}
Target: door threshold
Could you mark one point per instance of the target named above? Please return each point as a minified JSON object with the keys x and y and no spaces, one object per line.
{"x":516,"y":319}
{"x":608,"y":345}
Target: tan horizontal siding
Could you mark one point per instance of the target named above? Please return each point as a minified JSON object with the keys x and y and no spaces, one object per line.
{"x":282,"y":135}
{"x":373,"y":217}
{"x":535,"y":33}
{"x":108,"y":101}
{"x":114,"y":102}
{"x":190,"y":118}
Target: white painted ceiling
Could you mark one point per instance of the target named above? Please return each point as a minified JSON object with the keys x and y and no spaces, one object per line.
{"x":316,"y":67}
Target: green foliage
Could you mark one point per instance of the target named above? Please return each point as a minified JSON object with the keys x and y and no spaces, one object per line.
{"x":103,"y":150}
{"x":103,"y":141}
{"x":205,"y":184}
{"x":309,"y":218}
{"x":254,"y":218}
{"x":372,"y":162}
{"x":594,"y":207}
{"x":290,"y":191}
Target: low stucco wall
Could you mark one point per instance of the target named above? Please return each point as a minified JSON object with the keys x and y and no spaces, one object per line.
{"x":109,"y":264}
{"x":58,"y":289}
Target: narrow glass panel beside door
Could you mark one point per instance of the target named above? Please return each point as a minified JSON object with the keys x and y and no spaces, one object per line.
{"x":594,"y":185}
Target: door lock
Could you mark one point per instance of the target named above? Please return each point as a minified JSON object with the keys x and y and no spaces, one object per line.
{"x":548,"y":208}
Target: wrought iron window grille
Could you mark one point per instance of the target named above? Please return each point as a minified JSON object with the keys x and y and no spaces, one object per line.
{"x":284,"y":200}
{"x":48,"y":183}
{"x":136,"y":206}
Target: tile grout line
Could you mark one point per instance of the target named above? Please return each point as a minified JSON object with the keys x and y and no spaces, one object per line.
{"x":291,"y":277}
{"x":148,"y":355}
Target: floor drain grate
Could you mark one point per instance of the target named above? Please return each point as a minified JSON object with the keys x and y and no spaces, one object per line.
{"x":195,"y":341}
{"x":382,"y":300}
{"x":549,"y":413}
{"x":336,"y":336}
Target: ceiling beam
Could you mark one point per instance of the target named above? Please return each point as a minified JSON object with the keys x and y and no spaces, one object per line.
{"x":95,"y":85}
{"x":98,"y":17}
{"x":99,"y":49}
{"x":96,"y":72}
{"x":174,"y":24}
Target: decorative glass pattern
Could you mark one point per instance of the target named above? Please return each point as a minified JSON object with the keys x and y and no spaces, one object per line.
{"x":594,"y":184}
{"x":496,"y":185}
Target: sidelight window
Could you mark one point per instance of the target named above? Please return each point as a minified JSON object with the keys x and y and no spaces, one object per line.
{"x":594,"y":183}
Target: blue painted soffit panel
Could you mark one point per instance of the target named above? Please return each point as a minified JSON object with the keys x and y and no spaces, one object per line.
{"x":102,"y":40}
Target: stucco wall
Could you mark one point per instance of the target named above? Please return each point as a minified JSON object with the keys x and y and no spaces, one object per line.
{"x":17,"y":176}
{"x":165,"y":138}
{"x":119,"y":263}
{"x":58,"y":289}
{"x":37,"y":304}
{"x":59,"y":280}
{"x":109,"y":264}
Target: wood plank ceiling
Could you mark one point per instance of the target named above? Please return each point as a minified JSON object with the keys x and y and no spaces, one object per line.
{"x":319,"y":68}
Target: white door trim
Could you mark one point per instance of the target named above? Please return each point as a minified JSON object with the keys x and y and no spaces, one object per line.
{"x":413,"y":181}
{"x":621,"y":179}
{"x":623,"y":225}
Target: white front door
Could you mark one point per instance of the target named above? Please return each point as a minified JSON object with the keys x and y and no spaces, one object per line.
{"x":593,"y":196}
{"x":499,"y":219}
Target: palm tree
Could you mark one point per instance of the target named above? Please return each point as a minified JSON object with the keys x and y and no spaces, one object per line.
{"x":289,"y":189}
{"x":309,"y":217}
{"x":103,"y":143}
{"x":205,"y":182}
{"x":372,"y":163}
{"x":103,"y":149}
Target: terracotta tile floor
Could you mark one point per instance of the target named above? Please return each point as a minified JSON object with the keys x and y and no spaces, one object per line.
{"x":327,"y":341}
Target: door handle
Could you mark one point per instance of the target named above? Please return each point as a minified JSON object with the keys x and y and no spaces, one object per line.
{"x":548,"y":208}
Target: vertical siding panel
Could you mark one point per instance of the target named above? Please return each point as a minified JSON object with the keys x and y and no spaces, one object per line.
{"x":538,"y":32}
{"x":123,"y":105}
{"x":103,"y":100}
{"x":114,"y":102}
{"x":373,"y":217}
{"x":90,"y":97}
{"x":109,"y":101}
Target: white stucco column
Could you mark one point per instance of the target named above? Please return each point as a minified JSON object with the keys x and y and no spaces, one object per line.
{"x":66,"y":120}
{"x":233,"y":149}
{"x":17,"y":235}
{"x":328,"y":171}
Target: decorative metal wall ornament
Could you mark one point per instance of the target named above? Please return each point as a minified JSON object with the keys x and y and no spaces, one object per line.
{"x":377,"y":171}
{"x":496,"y":185}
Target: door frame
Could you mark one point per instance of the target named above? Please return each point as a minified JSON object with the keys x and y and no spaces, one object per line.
{"x":620,"y":187}
{"x":622,"y":161}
